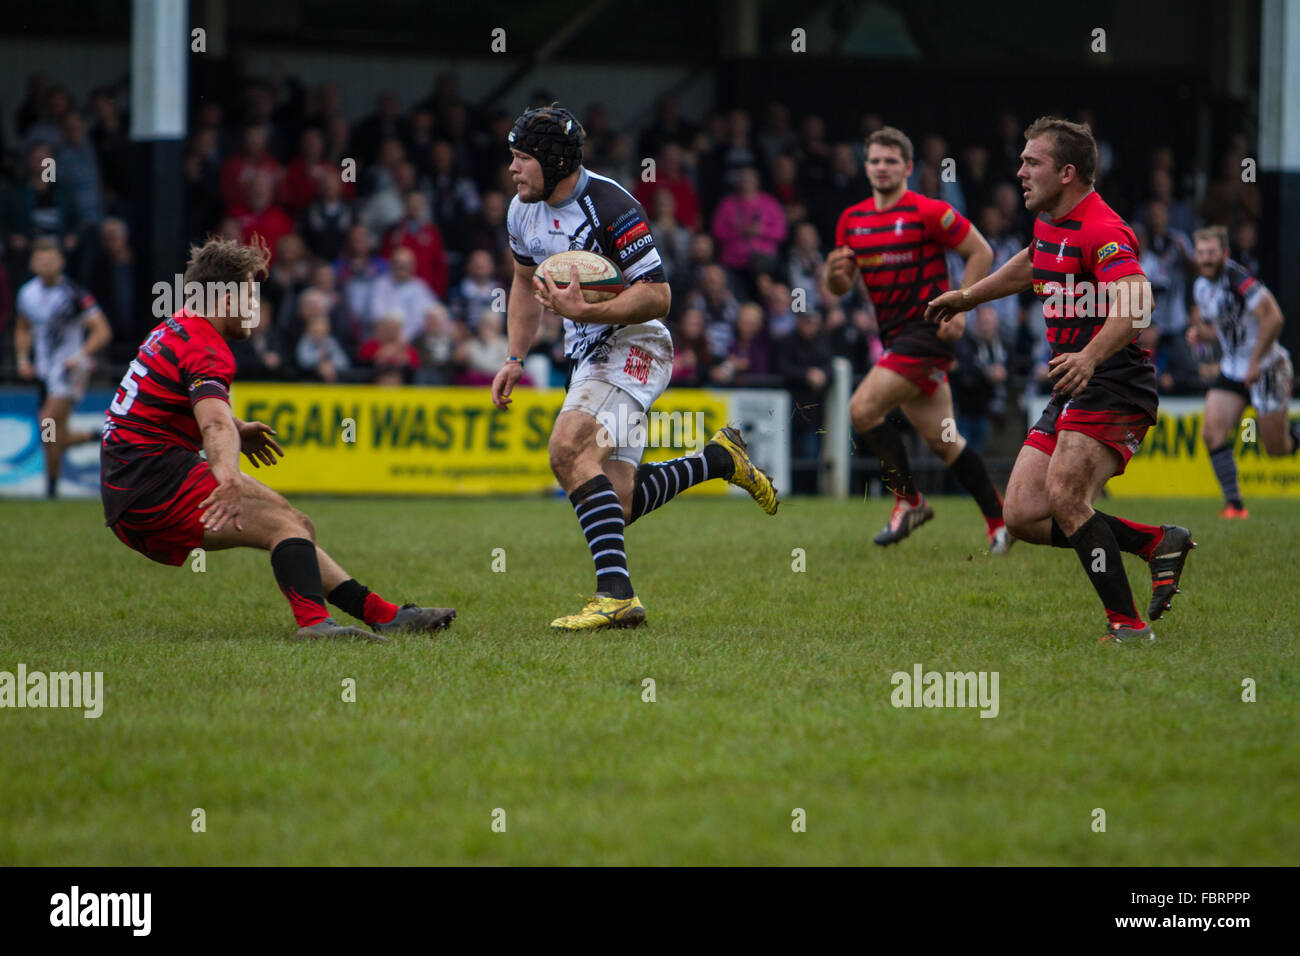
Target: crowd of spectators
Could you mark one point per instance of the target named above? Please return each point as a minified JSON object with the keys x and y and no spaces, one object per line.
{"x":390,"y":261}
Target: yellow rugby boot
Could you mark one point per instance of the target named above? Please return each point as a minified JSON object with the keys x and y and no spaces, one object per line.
{"x":603,"y":611}
{"x":746,"y":475}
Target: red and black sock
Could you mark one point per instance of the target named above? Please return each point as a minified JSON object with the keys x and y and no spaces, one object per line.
{"x":1139,"y":539}
{"x":969,"y":469}
{"x":895,"y":471}
{"x":358,"y":600}
{"x":298,"y":573}
{"x":1103,"y":562}
{"x":1133,"y":538}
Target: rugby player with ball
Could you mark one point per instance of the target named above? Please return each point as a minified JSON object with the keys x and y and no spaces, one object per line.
{"x":620,"y":352}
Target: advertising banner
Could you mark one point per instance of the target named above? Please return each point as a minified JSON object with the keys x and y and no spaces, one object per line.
{"x":364,"y":439}
{"x":1173,"y":462}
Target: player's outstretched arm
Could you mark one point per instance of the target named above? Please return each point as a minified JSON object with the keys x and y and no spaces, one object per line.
{"x":1015,"y":276}
{"x":523,"y":315}
{"x":221,"y":443}
{"x":1270,"y":318}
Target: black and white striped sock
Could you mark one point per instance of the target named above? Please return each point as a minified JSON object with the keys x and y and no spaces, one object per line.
{"x":659,"y":482}
{"x":601,"y":516}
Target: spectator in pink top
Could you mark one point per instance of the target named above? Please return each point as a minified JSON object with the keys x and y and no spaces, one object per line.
{"x":749,"y":225}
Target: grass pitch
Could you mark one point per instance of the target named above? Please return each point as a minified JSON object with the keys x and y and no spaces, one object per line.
{"x":772,"y":693}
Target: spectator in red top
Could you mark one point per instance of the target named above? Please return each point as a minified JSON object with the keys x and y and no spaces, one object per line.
{"x":392,"y":358}
{"x":670,"y":175}
{"x":748,"y":225}
{"x":417,"y":233}
{"x":238,"y":170}
{"x":302,"y":180}
{"x":261,"y":216}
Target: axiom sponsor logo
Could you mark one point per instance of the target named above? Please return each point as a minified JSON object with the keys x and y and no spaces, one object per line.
{"x":946,"y":689}
{"x":74,"y":908}
{"x":636,"y":246}
{"x":79,"y":690}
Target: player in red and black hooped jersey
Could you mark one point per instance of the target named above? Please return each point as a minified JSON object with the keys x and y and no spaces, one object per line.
{"x":897,"y":241}
{"x":1082,"y":262}
{"x":163,"y":500}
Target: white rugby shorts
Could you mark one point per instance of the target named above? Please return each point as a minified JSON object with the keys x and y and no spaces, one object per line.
{"x":617,"y":383}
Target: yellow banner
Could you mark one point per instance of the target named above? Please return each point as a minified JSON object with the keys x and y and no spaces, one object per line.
{"x":1173,"y":461}
{"x":363,"y":439}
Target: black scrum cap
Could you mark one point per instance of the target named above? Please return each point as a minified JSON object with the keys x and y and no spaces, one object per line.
{"x":554,"y":138}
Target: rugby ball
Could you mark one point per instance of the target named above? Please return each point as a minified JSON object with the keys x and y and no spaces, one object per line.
{"x":598,"y":278}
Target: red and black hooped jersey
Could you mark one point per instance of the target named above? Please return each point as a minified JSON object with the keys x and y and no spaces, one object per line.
{"x":901,"y":254}
{"x":151,"y":418}
{"x":1074,"y":259}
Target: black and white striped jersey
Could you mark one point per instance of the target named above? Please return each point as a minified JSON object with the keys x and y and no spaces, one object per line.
{"x":602,"y":217}
{"x":56,"y":313}
{"x":1228,"y":303}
